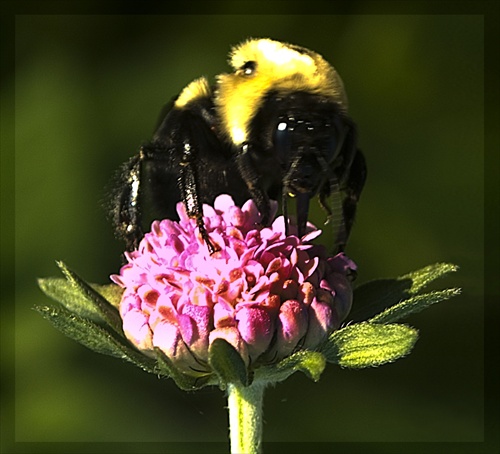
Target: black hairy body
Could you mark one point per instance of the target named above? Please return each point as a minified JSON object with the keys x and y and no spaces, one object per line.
{"x":276,"y":128}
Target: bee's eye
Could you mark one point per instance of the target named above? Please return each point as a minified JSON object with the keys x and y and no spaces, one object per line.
{"x":248,"y":68}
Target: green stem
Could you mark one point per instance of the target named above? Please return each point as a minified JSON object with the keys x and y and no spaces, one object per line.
{"x":245,"y":418}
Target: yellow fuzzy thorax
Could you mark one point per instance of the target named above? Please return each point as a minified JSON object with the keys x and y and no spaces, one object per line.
{"x":198,"y":88}
{"x":278,"y":67}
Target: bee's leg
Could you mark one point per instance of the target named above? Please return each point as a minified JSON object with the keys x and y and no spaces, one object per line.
{"x":140,"y":178}
{"x":354,"y":185}
{"x":334,"y":211}
{"x":284,"y":209}
{"x":346,"y":182}
{"x":254,"y":184}
{"x":126,"y":210}
{"x":189,"y":187}
{"x":302,"y":201}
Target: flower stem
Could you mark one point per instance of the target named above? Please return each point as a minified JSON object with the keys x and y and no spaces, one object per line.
{"x":245,"y":418}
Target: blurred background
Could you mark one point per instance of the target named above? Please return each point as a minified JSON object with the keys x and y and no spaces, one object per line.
{"x":88,"y":90}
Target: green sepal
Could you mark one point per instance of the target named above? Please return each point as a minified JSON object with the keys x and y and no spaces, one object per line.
{"x":64,"y":292}
{"x":112,"y":293}
{"x":310,"y":363}
{"x":94,"y":336}
{"x":367,"y":344}
{"x":184,"y":381}
{"x":83,"y":299}
{"x":412,"y":305}
{"x":379,"y":295}
{"x":227,"y":363}
{"x":109,"y":313}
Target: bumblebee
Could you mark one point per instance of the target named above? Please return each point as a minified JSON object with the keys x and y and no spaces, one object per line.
{"x":275,"y":128}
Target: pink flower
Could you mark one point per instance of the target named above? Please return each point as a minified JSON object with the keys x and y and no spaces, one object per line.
{"x":265,"y":293}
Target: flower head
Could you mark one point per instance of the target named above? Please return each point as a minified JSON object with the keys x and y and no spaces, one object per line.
{"x":266,"y":293}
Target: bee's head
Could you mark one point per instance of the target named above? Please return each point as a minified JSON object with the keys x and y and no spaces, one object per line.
{"x":261,"y":66}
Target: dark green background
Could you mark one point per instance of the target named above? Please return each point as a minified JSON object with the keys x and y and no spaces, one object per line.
{"x":88,"y":90}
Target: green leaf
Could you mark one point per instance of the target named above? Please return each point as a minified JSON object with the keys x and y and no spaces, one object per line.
{"x":183,"y":381}
{"x":310,"y":363}
{"x":227,"y":363}
{"x":412,"y":305}
{"x":367,"y":344}
{"x":94,"y":336}
{"x":425,"y":276}
{"x":64,"y":292}
{"x":102,"y":307}
{"x":376,"y":296}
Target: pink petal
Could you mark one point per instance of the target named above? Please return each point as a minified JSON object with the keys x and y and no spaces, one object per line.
{"x":320,"y":323}
{"x":223,"y":202}
{"x":291,"y":328}
{"x":136,"y":328}
{"x":256,"y":329}
{"x":168,"y":339}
